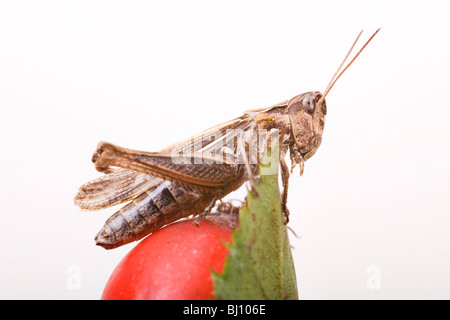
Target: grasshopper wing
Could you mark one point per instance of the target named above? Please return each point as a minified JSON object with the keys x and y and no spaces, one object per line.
{"x":114,"y":188}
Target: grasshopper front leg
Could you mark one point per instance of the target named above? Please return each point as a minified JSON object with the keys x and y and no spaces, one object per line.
{"x":285,"y":180}
{"x":294,"y":150}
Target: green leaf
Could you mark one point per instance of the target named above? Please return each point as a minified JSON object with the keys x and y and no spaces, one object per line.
{"x":260,"y":264}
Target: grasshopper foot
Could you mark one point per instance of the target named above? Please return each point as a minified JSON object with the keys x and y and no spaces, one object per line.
{"x":286,"y":213}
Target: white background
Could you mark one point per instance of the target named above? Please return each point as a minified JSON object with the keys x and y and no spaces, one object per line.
{"x":144,"y":75}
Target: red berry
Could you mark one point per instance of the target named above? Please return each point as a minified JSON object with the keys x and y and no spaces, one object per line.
{"x":172,"y":263}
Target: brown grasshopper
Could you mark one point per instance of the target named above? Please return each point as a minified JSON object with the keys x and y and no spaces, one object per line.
{"x":188,"y":177}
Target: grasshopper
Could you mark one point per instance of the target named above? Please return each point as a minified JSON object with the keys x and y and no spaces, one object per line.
{"x":188,"y":177}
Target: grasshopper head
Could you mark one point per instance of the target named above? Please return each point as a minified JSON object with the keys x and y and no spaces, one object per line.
{"x":307,"y":119}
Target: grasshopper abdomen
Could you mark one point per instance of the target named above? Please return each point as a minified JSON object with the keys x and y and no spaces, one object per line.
{"x":150,"y":211}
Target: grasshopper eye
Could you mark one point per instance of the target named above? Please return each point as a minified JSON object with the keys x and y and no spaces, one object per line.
{"x":308,"y":104}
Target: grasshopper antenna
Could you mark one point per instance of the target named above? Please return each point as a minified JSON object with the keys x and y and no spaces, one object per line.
{"x":343,"y":61}
{"x":335,"y":78}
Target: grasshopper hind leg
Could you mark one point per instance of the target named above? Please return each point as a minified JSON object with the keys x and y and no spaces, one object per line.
{"x":206,"y":211}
